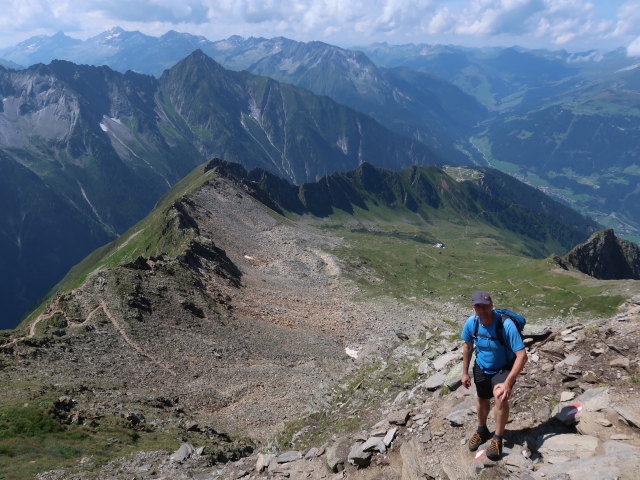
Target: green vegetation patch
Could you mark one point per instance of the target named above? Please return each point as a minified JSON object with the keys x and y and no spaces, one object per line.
{"x":473,"y":257}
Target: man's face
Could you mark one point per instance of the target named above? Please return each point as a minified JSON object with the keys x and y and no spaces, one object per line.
{"x":483,"y":310}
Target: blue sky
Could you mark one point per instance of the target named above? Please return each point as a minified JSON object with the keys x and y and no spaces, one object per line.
{"x":574,"y":25}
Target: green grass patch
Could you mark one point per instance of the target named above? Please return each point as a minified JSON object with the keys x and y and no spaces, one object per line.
{"x":473,"y":258}
{"x":34,"y":437}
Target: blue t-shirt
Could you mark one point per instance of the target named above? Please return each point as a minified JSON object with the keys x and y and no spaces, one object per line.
{"x":491,"y":355}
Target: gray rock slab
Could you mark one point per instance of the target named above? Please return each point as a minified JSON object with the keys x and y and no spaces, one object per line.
{"x":334,"y":458}
{"x":314,"y":452}
{"x":621,"y":362}
{"x":390,"y":435}
{"x":535,"y":331}
{"x":569,"y":444}
{"x":374,"y":443}
{"x":358,"y":457}
{"x":184,"y":452}
{"x":619,"y":448}
{"x":453,"y":378}
{"x":592,"y":423}
{"x":424,"y":366}
{"x":566,"y":396}
{"x":442,"y":361}
{"x":512,"y":457}
{"x":570,"y":361}
{"x":434,"y":382}
{"x":630,"y":417}
{"x":401,"y":397}
{"x":592,"y":400}
{"x":263,"y":461}
{"x":290,"y":456}
{"x":620,"y":464}
{"x":398,"y":417}
{"x":458,"y":418}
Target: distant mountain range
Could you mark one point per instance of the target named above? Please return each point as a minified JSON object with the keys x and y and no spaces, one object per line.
{"x":88,"y":151}
{"x":415,"y":104}
{"x":566,"y":122}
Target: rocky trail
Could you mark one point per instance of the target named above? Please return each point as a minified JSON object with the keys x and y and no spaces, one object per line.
{"x":574,"y":416}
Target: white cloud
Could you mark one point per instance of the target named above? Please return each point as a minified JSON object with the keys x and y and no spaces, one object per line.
{"x":358,"y":21}
{"x":633,"y":49}
{"x":628,"y":18}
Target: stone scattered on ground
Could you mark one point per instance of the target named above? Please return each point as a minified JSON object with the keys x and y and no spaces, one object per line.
{"x":562,"y":426}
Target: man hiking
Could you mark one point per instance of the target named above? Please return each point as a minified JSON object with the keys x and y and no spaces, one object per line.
{"x":500,"y":357}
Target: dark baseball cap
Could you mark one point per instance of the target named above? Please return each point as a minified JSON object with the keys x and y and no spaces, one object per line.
{"x":480,"y":297}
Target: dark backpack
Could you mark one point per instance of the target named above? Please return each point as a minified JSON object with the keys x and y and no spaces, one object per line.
{"x":518,"y":320}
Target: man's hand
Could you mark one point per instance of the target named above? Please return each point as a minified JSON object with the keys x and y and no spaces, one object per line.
{"x":466,"y":380}
{"x":502,"y":391}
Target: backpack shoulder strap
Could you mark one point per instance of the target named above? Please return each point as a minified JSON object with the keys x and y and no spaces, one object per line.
{"x":500,"y":329}
{"x":476,"y":322}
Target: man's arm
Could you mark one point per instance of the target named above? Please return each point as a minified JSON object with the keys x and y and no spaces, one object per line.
{"x":467,"y":348}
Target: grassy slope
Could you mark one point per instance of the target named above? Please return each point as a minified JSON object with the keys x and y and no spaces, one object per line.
{"x":398,"y":259}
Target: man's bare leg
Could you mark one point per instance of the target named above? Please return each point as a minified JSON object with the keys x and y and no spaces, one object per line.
{"x":501,"y":413}
{"x":484,"y":405}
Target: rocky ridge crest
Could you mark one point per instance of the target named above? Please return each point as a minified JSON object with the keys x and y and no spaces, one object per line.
{"x":606,"y":256}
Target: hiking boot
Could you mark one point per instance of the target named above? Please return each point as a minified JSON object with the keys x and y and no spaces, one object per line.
{"x":478,"y":439}
{"x":494,"y":451}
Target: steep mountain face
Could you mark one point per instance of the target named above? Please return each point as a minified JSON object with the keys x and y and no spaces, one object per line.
{"x":606,"y":256}
{"x":42,"y":235}
{"x":415,"y":104}
{"x":88,"y":160}
{"x":107,"y":145}
{"x":282,"y":128}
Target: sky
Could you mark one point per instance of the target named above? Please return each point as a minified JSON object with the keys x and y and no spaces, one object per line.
{"x":572,"y":25}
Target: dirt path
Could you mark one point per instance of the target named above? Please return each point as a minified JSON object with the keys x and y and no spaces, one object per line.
{"x":32,"y":328}
{"x":120,"y":329}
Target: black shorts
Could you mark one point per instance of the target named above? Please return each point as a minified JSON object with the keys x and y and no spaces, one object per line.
{"x":485,"y":382}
